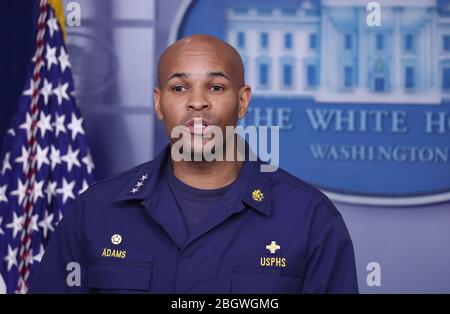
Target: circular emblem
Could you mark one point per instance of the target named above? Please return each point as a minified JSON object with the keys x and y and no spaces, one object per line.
{"x":116,"y":239}
{"x":358,"y":120}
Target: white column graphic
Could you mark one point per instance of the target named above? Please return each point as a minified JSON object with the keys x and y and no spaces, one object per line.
{"x":362,"y":65}
{"x":324,"y":50}
{"x":434,"y":48}
{"x":421,"y":57}
{"x":398,"y":82}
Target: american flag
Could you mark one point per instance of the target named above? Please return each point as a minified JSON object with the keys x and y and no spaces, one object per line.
{"x":45,"y":162}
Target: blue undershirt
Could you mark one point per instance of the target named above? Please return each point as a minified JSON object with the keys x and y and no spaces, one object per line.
{"x":193,"y":203}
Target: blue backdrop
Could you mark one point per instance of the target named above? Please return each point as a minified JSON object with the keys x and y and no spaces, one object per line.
{"x":396,"y":210}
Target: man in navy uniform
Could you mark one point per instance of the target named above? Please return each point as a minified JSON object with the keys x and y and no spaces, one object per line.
{"x":185,"y":226}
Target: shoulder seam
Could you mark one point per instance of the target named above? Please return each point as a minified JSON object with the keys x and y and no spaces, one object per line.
{"x":113,"y":178}
{"x":316,"y":192}
{"x":130,"y":172}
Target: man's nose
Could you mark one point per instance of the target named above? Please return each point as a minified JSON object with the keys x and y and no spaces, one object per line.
{"x":198,"y":101}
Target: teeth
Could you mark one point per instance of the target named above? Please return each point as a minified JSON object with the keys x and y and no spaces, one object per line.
{"x":198,"y":123}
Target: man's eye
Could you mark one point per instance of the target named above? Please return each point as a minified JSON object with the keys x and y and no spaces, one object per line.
{"x":217,"y":88}
{"x":178,"y":88}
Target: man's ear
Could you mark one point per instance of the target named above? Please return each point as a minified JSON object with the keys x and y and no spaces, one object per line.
{"x":245,"y":94}
{"x":157,"y":103}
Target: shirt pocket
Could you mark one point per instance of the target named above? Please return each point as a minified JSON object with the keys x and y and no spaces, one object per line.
{"x":255,"y":280}
{"x":120,"y":277}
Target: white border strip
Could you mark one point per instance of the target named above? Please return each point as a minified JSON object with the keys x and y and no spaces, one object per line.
{"x":388,"y":201}
{"x":184,"y":6}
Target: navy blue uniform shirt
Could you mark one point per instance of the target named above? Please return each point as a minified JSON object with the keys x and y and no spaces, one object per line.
{"x":193,"y":203}
{"x":269,"y":233}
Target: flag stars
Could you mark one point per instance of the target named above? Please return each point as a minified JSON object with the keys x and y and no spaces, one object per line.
{"x":6,"y":165}
{"x":84,"y":187}
{"x":23,"y":158}
{"x":66,"y":190}
{"x":11,"y":258}
{"x":61,"y":92}
{"x":55,"y":157}
{"x":46,"y":90}
{"x":71,"y":158}
{"x":27,"y":125}
{"x":46,"y":223}
{"x":37,"y":190}
{"x":38,"y":257}
{"x":51,"y":56}
{"x":20,"y":191}
{"x":41,"y":157}
{"x":1,"y":230}
{"x":11,"y":132}
{"x":52,"y":24}
{"x":44,"y":124}
{"x":75,"y":126}
{"x":29,"y":91}
{"x":61,"y":215}
{"x":59,"y":124}
{"x":44,"y":193}
{"x":63,"y":60}
{"x":87,"y":160}
{"x":3,"y":197}
{"x":51,"y":191}
{"x":16,"y":224}
{"x":33,"y":223}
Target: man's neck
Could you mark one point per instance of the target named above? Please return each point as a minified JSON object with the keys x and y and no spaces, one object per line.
{"x":207,"y":175}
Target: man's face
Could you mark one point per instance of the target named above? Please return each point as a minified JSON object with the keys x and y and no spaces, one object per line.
{"x":199,"y":82}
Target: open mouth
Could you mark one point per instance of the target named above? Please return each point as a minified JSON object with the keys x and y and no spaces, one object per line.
{"x":198,"y":126}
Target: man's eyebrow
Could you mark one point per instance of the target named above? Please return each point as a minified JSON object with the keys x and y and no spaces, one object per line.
{"x":185,"y":75}
{"x":178,"y":75}
{"x":220,"y":74}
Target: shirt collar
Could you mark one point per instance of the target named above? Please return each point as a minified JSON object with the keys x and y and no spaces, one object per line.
{"x":252,"y":186}
{"x":142,"y":184}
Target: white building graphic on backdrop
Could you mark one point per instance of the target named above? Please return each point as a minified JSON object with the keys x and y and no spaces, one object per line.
{"x":326,"y":50}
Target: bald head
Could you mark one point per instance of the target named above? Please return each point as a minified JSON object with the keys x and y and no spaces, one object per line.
{"x":201,"y":47}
